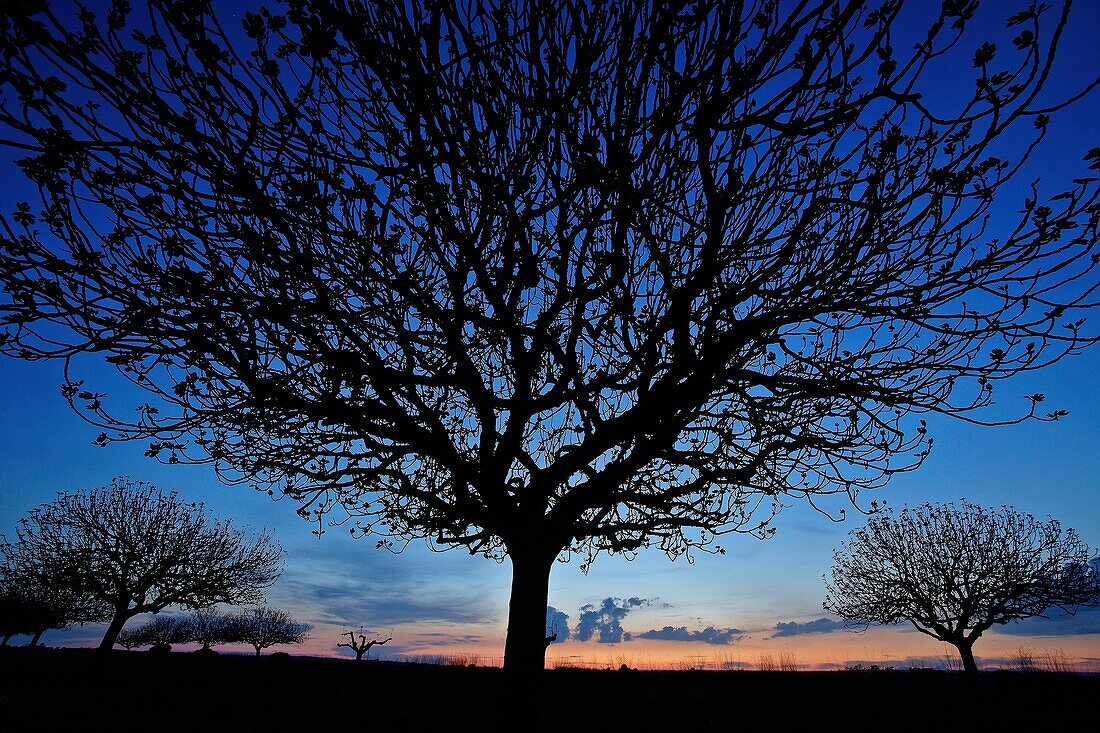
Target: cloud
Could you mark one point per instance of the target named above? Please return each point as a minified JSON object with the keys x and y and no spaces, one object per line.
{"x":557,"y":623}
{"x":351,"y":601}
{"x":709,"y":635}
{"x":794,"y":628}
{"x":1060,"y":623}
{"x":605,"y":622}
{"x":386,"y":593}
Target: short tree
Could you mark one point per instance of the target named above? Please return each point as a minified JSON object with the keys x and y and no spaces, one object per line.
{"x":161,"y":632}
{"x":955,"y":571}
{"x":30,"y":606}
{"x":208,"y":627}
{"x":130,"y":639}
{"x":135,"y":549}
{"x":360,"y":644}
{"x":264,"y":627}
{"x":541,"y":278}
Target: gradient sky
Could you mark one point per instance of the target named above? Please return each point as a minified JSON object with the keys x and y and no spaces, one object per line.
{"x":452,"y":603}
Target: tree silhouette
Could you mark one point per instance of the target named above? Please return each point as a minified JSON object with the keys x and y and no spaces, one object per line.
{"x":360,"y":644}
{"x":264,"y":627}
{"x":207,"y":627}
{"x":954,"y":572}
{"x":544,"y":278}
{"x":159,"y":632}
{"x":130,"y":639}
{"x":135,"y":549}
{"x":32,"y":605}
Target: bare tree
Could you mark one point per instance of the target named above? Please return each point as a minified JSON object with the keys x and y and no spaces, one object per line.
{"x":543,"y":278}
{"x":135,"y":549}
{"x":264,"y":627}
{"x":160,"y":633}
{"x":207,"y":627}
{"x":33,"y":605}
{"x":955,"y":571}
{"x":360,"y":644}
{"x":130,"y":639}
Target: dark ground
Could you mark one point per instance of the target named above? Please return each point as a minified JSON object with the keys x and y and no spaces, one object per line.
{"x":73,"y":689}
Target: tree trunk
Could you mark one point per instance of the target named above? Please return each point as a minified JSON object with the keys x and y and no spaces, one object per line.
{"x":5,"y":640}
{"x":359,"y":654}
{"x":525,"y":648}
{"x":966,"y":651}
{"x":120,"y":618}
{"x":257,"y":651}
{"x":36,"y":637}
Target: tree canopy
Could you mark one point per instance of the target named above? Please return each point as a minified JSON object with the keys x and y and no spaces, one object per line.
{"x":541,"y":277}
{"x":955,"y":571}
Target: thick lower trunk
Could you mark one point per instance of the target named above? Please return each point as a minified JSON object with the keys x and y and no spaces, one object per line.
{"x":5,"y":640}
{"x":359,"y":654}
{"x":525,"y":648}
{"x":966,"y":651}
{"x":257,"y":651}
{"x":111,"y":635}
{"x":36,"y":637}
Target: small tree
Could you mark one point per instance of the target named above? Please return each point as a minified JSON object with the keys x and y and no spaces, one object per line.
{"x":208,"y":627}
{"x":955,"y":571}
{"x":131,"y":639}
{"x":13,"y":612}
{"x":264,"y":627}
{"x":161,"y":632}
{"x":360,"y":644}
{"x":137,"y":550}
{"x":29,"y":606}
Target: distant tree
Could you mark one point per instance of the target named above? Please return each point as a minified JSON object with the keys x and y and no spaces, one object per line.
{"x":160,"y":633}
{"x":543,"y":278}
{"x":136,"y":550}
{"x":207,"y":627}
{"x":30,"y":606}
{"x":360,"y":644}
{"x":264,"y":627}
{"x":954,"y":572}
{"x":130,"y":639}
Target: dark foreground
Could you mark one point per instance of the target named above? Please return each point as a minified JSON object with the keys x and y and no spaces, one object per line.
{"x":59,"y":689}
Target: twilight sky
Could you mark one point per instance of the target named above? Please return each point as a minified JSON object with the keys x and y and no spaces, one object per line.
{"x":762,"y":596}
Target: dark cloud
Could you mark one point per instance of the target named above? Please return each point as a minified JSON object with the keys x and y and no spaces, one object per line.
{"x":351,"y":601}
{"x":605,"y":622}
{"x":709,"y":635}
{"x":557,"y":623}
{"x":794,"y":628}
{"x":443,"y":639}
{"x":1059,"y":623}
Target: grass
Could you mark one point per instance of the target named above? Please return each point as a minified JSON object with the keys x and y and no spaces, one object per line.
{"x":70,"y":689}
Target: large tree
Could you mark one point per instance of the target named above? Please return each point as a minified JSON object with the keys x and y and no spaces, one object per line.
{"x":955,"y":571}
{"x":545,"y":277}
{"x":134,"y":549}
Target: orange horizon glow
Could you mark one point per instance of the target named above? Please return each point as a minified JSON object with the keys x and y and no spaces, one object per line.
{"x":890,"y":647}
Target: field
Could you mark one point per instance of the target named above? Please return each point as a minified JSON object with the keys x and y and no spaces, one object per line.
{"x":73,"y":689}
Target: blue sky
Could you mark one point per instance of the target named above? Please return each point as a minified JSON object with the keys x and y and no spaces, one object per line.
{"x":452,"y":602}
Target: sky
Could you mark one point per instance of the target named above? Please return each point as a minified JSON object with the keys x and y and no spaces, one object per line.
{"x":761,"y":598}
